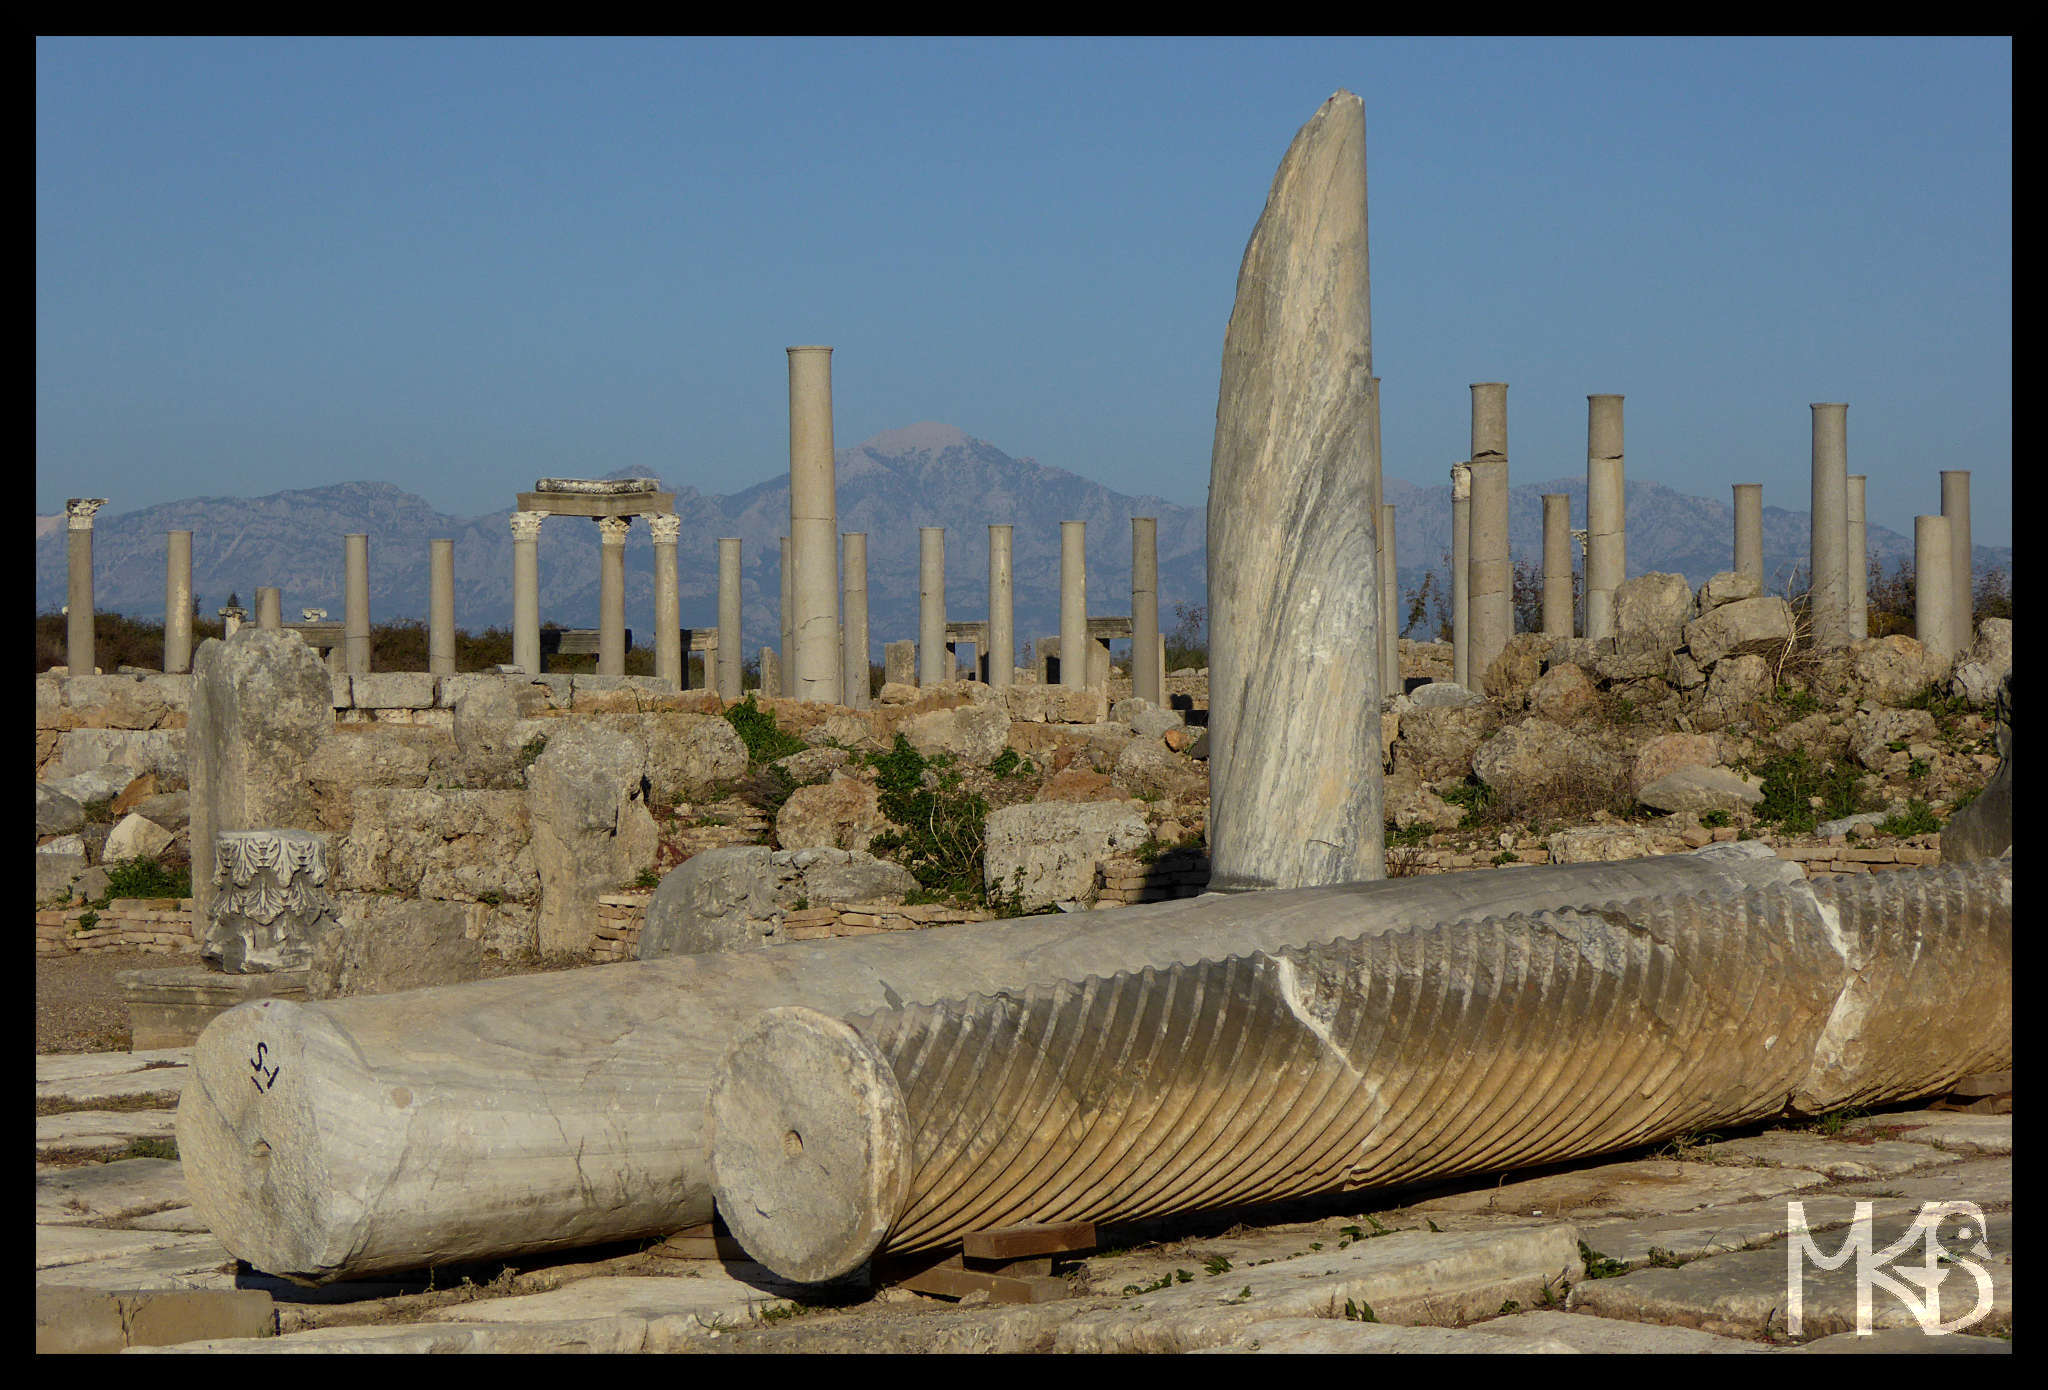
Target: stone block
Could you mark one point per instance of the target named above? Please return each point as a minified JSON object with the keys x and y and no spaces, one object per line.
{"x":1046,"y":852}
{"x":170,"y":1008}
{"x":1733,"y":626}
{"x":429,"y":844}
{"x":124,"y":753}
{"x":58,"y":863}
{"x":394,"y":690}
{"x":1729,"y":586}
{"x":975,"y":734}
{"x":136,"y":837}
{"x":1700,"y":789}
{"x":844,"y":813}
{"x":56,"y":812}
{"x":384,"y":945}
{"x":1443,"y":695}
{"x":1056,"y":704}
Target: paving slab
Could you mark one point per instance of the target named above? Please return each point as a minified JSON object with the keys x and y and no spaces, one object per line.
{"x":78,"y":1320}
{"x":734,"y":1293}
{"x":170,"y":1219}
{"x":58,"y":1246}
{"x":1903,"y":1342}
{"x":1985,"y":1181}
{"x":1983,"y":1134}
{"x":1409,"y":1277}
{"x":103,"y":1191}
{"x":197,"y":1262}
{"x":108,"y":1132}
{"x":1606,"y":1336}
{"x":162,"y":1085}
{"x":1746,"y":1294}
{"x":1871,"y":1158}
{"x":1337,"y":1337}
{"x":1644,"y":1186}
{"x":74,"y":1066}
{"x":601,"y":1336}
{"x":1718,"y":1230}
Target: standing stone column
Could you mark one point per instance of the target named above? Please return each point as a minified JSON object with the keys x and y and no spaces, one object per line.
{"x":1294,"y":609}
{"x":1557,"y":564}
{"x":178,"y":604}
{"x":441,"y":607}
{"x":1002,"y":626}
{"x":1491,"y":600}
{"x":669,"y":656}
{"x":355,"y":617}
{"x":934,"y":662}
{"x":1859,"y":561}
{"x":729,"y":657}
{"x":785,"y":652}
{"x":1749,"y":531}
{"x":1606,"y":513}
{"x":231,"y":620}
{"x":1829,"y":551}
{"x":1390,"y":598}
{"x":270,"y":608}
{"x":1145,"y":610}
{"x":813,"y":669}
{"x":611,"y":594}
{"x":526,"y":590}
{"x":1461,"y":574}
{"x":1934,"y":610}
{"x":78,"y":653}
{"x":1074,"y":605}
{"x":1955,"y":505}
{"x":853,"y":681}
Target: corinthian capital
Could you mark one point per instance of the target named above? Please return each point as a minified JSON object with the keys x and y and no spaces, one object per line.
{"x":1461,"y":482}
{"x":526,"y":525}
{"x":612,"y":529}
{"x":80,"y":510}
{"x":666,"y":526}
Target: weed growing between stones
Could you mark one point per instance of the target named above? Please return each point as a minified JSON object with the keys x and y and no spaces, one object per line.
{"x":1792,"y":781}
{"x":146,"y":878}
{"x":764,"y":738}
{"x":1916,"y":819}
{"x":944,"y":826}
{"x":1598,"y":1266}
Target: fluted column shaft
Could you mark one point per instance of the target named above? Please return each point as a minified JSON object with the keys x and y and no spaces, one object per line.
{"x":1074,"y":604}
{"x":1955,"y":505}
{"x":178,"y":604}
{"x":1829,"y":551}
{"x":1145,"y":610}
{"x":1002,"y":627}
{"x":853,"y":681}
{"x":526,"y":590}
{"x":1461,"y":574}
{"x":355,"y":618}
{"x":670,"y":660}
{"x":812,"y":671}
{"x":1749,"y":531}
{"x":1606,"y":514}
{"x":611,"y":594}
{"x":1557,"y":565}
{"x":78,"y":629}
{"x":934,"y":662}
{"x":730,"y":658}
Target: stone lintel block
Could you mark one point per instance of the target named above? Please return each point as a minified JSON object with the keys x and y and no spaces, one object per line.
{"x":593,"y":504}
{"x":1056,"y":704}
{"x":344,"y":693}
{"x":170,"y":1008}
{"x":394,"y":690}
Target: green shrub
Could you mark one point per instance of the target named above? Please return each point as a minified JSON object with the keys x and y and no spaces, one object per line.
{"x":145,"y":878}
{"x":759,"y":731}
{"x":944,"y":826}
{"x":1916,"y":819}
{"x":1790,"y":783}
{"x":1009,"y":763}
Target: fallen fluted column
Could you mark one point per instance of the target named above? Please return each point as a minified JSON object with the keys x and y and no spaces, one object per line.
{"x":546,"y":1112}
{"x":1476,"y":1046}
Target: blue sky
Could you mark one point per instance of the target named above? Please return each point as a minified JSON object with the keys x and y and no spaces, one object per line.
{"x":459,"y":265}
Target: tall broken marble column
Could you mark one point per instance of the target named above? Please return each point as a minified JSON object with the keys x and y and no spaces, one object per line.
{"x":1390,"y":598}
{"x":1606,"y":513}
{"x":526,"y":590}
{"x":1934,"y":609}
{"x":355,"y":616}
{"x":730,"y":660}
{"x":814,"y":672}
{"x":78,"y":629}
{"x":1955,"y":505}
{"x":1557,"y":564}
{"x":441,"y":607}
{"x":1145,"y":610}
{"x":670,"y":660}
{"x":611,"y":594}
{"x":1491,"y":597}
{"x":1749,"y":532}
{"x":934,"y":662}
{"x":1859,"y":560}
{"x":1002,"y":624}
{"x":178,"y":604}
{"x":1461,"y":574}
{"x":853,"y":680}
{"x":1074,"y":605}
{"x":1294,"y":608}
{"x":1829,"y":551}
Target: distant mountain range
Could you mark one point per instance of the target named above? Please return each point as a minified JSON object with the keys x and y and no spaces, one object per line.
{"x":923,"y":475}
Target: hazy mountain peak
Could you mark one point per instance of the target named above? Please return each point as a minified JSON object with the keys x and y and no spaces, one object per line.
{"x":927,"y":434}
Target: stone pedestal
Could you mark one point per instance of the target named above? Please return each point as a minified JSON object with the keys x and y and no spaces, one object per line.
{"x":178,"y":605}
{"x":526,"y":590}
{"x":1955,"y":505}
{"x":669,"y":656}
{"x":1830,"y":534}
{"x":1606,"y":535}
{"x":934,"y":662}
{"x":1557,"y":564}
{"x":611,"y":594}
{"x":1144,"y":610}
{"x":1073,"y":603}
{"x":1749,"y":531}
{"x":814,"y":672}
{"x":853,"y":679}
{"x":1859,"y":561}
{"x":78,"y":645}
{"x":1934,"y":612}
{"x":270,"y":608}
{"x":729,"y":658}
{"x":1461,"y":573}
{"x":355,"y":618}
{"x":270,"y":902}
{"x":170,"y":1008}
{"x":1002,"y":627}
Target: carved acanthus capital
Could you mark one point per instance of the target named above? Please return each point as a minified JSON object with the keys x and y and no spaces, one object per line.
{"x":80,"y":510}
{"x":526,"y":525}
{"x":611,"y":530}
{"x":666,"y":526}
{"x":1461,"y":482}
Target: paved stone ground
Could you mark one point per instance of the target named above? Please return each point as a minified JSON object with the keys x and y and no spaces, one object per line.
{"x":1683,"y":1250}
